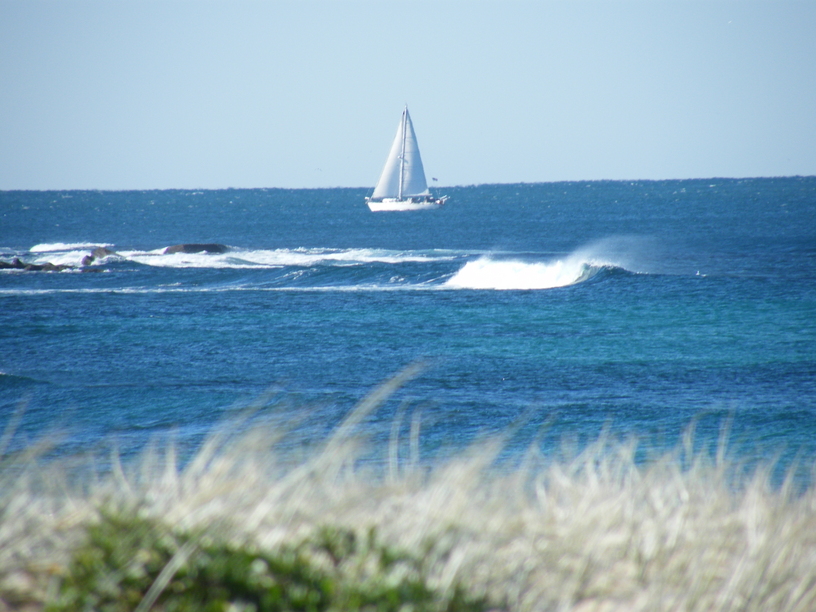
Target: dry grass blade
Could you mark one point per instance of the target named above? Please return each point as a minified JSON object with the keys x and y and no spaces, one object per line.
{"x":166,"y":575}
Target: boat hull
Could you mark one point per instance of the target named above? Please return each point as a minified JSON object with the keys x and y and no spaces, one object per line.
{"x":404,"y":204}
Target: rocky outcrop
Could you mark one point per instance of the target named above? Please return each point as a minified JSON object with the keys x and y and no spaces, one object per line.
{"x":97,"y":253}
{"x":18,"y":264}
{"x":101,"y":252}
{"x":196,"y":248}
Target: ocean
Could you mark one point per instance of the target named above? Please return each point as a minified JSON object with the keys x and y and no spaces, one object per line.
{"x":544,"y":313}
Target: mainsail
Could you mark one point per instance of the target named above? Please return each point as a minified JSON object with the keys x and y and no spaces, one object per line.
{"x":403,"y":175}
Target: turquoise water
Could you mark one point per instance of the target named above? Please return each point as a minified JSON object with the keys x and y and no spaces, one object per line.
{"x":637,"y":306}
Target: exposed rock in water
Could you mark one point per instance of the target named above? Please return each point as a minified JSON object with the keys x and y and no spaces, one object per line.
{"x":196,"y":248}
{"x":102,"y":252}
{"x":97,"y":253}
{"x":18,"y":264}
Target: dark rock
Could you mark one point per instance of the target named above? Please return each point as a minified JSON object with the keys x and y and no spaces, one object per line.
{"x":100,"y":252}
{"x":49,"y":267}
{"x":97,"y":253}
{"x":17,"y":264}
{"x":196,"y":248}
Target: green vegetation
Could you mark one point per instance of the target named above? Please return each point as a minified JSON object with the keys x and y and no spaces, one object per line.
{"x":129,"y":563}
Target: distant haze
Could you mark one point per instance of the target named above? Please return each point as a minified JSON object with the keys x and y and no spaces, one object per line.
{"x":180,"y":94}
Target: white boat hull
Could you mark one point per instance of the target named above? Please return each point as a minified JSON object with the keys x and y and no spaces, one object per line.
{"x":396,"y":204}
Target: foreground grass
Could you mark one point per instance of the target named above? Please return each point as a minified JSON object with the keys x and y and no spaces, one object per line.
{"x":242,"y":527}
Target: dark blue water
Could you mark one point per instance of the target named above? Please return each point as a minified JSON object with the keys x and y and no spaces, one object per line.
{"x":637,"y":306}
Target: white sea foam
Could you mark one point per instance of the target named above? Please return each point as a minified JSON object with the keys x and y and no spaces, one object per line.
{"x":277,"y":258}
{"x":61,"y":259}
{"x":66,"y":246}
{"x":369,"y":287}
{"x":72,"y":254}
{"x":488,"y":273}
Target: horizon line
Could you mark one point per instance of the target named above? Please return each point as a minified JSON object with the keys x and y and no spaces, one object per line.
{"x":454,"y":186}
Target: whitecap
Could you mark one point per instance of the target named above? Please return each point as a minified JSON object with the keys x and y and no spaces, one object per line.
{"x":488,"y":273}
{"x":50,"y":247}
{"x":277,"y":258}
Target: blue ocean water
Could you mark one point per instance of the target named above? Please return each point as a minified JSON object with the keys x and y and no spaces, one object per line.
{"x":560,"y":307}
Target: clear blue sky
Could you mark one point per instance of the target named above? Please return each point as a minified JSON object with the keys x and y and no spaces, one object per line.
{"x":131,"y":94}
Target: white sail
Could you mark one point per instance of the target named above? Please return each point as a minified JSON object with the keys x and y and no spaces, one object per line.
{"x":402,"y":185}
{"x":403,"y":175}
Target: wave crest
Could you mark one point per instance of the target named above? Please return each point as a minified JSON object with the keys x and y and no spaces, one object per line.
{"x":53,"y":247}
{"x":616,"y":252}
{"x":509,"y":274}
{"x":277,"y":258}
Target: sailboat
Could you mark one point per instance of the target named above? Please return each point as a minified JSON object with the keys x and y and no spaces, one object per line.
{"x":402,"y":185}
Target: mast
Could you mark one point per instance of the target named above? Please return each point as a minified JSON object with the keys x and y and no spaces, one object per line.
{"x":402,"y":152}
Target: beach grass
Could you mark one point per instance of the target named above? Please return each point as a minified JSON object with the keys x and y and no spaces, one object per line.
{"x":242,"y":525}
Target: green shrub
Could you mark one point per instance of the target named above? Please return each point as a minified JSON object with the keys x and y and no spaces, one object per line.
{"x":129,"y":563}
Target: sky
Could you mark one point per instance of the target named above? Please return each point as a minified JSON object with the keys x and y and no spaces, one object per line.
{"x":138,"y":94}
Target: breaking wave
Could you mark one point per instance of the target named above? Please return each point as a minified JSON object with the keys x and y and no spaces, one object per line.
{"x":279,"y":258}
{"x":63,"y":246}
{"x":488,"y":273}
